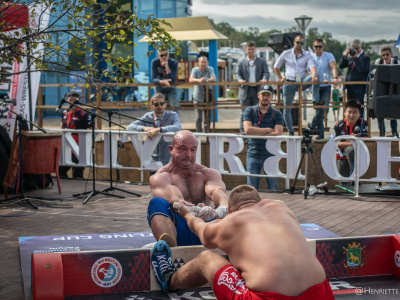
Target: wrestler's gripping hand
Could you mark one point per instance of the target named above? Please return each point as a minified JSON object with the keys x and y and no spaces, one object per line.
{"x":206,"y":213}
{"x":221,"y":212}
{"x":201,"y":211}
{"x":184,"y":208}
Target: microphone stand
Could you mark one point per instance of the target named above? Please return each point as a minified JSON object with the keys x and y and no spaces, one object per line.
{"x":22,"y":197}
{"x":111,"y":187}
{"x":94,"y":192}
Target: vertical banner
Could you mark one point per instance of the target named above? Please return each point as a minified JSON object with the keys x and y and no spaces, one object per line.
{"x":15,"y":89}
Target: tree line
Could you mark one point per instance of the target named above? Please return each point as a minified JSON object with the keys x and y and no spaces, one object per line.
{"x":332,"y":45}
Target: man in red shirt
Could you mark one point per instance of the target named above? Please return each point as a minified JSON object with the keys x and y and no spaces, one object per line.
{"x":74,"y":118}
{"x":354,"y":125}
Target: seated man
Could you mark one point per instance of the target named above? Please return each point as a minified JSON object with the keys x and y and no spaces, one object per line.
{"x":353,"y":125}
{"x":269,"y":255}
{"x":156,"y":121}
{"x":183,"y":179}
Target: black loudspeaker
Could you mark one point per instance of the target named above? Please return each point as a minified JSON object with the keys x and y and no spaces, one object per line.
{"x":280,"y":42}
{"x":384,"y":98}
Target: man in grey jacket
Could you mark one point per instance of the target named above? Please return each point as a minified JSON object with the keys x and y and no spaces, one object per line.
{"x":251,"y":69}
{"x":158,"y":121}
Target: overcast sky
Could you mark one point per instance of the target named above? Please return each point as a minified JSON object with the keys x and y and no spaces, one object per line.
{"x":367,"y":20}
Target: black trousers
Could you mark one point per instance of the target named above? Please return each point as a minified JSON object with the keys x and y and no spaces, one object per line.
{"x":77,"y":172}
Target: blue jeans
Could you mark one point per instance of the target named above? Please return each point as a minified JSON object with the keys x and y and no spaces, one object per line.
{"x":170,"y":95}
{"x":288,"y":96}
{"x":323,"y":94}
{"x":253,"y":166}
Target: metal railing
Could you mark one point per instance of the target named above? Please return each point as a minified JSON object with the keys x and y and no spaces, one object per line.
{"x":210,"y":105}
{"x":220,"y":157}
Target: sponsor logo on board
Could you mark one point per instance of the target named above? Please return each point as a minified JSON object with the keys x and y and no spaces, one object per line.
{"x":106,"y":272}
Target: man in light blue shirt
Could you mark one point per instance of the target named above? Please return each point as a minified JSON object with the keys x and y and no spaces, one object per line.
{"x":297,"y":61}
{"x":202,"y":74}
{"x":325,"y":64}
{"x":156,"y":121}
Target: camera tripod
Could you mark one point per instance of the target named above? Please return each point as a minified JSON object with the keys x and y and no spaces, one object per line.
{"x":306,"y":150}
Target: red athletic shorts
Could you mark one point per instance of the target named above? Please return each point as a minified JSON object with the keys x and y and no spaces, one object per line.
{"x":228,"y":284}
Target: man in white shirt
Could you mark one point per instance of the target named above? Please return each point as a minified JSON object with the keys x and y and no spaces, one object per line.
{"x":297,"y":61}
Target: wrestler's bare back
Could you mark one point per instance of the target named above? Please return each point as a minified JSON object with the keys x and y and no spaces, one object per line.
{"x":190,"y":185}
{"x":265,"y":243}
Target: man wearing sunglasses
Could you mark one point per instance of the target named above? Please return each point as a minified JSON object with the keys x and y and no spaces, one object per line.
{"x":158,"y":121}
{"x":357,"y":64}
{"x":297,"y":61}
{"x":163,"y":73}
{"x":387,"y":59}
{"x":325,"y":64}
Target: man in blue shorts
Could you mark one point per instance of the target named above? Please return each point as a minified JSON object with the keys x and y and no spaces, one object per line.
{"x":183,"y":179}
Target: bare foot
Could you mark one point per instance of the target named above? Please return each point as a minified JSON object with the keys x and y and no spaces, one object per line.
{"x":168,"y":239}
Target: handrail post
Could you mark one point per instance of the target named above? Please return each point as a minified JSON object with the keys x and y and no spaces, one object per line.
{"x":300,"y":105}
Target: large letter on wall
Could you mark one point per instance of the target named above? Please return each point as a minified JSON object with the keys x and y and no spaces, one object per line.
{"x":217,"y":154}
{"x":292,"y":155}
{"x":383,"y":159}
{"x":145,"y":149}
{"x":81,"y":151}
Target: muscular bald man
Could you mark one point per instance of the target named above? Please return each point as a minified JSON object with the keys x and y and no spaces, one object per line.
{"x":269,"y":255}
{"x":183,"y":179}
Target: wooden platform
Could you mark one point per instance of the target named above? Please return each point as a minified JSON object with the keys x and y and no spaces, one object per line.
{"x":342,"y":214}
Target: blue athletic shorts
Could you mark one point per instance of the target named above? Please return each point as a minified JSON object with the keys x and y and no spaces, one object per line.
{"x":160,"y":206}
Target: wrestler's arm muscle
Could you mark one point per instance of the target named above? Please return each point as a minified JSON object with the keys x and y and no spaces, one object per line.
{"x":215,"y":188}
{"x":162,"y":186}
{"x":205,"y":231}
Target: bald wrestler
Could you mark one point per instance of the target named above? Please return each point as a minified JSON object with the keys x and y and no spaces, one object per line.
{"x":183,"y":179}
{"x":269,"y":255}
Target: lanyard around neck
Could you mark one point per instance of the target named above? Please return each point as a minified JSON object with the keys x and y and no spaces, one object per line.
{"x":154,"y":120}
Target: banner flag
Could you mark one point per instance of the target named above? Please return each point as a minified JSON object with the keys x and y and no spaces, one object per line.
{"x":14,"y":89}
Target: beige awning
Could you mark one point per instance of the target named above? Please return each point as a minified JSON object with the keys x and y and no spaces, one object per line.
{"x":190,"y":29}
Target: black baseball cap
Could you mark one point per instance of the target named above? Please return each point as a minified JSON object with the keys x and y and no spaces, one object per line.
{"x":266,"y":89}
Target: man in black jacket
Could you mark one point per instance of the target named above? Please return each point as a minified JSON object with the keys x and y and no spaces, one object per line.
{"x":357,"y":63}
